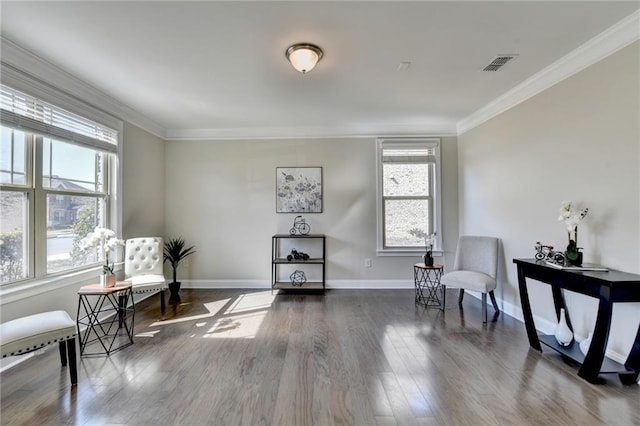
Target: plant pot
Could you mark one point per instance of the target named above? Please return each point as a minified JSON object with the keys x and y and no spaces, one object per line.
{"x":428,"y":260}
{"x":574,"y":258}
{"x":174,"y":292}
{"x":108,"y":280}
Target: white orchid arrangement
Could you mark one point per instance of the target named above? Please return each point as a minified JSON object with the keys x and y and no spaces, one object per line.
{"x":571,"y":218}
{"x":105,"y":240}
{"x":429,"y":239}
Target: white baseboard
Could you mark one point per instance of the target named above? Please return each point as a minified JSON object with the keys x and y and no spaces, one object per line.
{"x":330,"y":284}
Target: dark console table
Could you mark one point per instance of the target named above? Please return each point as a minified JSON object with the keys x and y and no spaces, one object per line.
{"x":608,"y":287}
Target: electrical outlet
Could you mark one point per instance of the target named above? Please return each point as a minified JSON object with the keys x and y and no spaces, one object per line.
{"x":367,"y":263}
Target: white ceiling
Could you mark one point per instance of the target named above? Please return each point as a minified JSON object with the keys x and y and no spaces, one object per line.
{"x":218,"y":69}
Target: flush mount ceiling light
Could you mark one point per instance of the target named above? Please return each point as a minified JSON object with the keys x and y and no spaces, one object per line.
{"x":304,"y":56}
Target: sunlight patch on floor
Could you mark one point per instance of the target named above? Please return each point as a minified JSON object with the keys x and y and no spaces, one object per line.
{"x":241,"y":319}
{"x":243,"y":326}
{"x":147,"y":333}
{"x":213,"y":308}
{"x":252,"y":302}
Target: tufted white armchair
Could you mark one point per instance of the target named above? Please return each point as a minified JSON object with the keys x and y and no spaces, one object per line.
{"x":143,"y":266}
{"x":475,"y":268}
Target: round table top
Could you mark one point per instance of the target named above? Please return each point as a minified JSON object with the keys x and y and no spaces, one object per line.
{"x":434,"y":266}
{"x":98,"y":289}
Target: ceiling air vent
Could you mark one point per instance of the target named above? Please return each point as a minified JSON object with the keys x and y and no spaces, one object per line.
{"x":498,"y":62}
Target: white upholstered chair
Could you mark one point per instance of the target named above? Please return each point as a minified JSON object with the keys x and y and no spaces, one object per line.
{"x":475,"y":268}
{"x":143,"y":262}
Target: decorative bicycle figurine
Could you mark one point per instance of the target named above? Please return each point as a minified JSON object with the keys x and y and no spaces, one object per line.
{"x":300,"y":226}
{"x":545,"y":252}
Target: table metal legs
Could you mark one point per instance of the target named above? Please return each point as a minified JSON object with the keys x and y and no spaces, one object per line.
{"x":427,"y":283}
{"x":105,"y":322}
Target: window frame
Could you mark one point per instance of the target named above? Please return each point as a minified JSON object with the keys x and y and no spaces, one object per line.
{"x":436,"y":191}
{"x":38,"y":280}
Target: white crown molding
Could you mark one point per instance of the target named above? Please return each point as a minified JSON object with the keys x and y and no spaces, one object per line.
{"x":360,"y":131}
{"x":31,"y":64}
{"x":604,"y":44}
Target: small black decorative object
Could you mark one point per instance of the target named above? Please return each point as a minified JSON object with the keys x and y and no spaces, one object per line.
{"x":300,"y":226}
{"x":546,"y":253}
{"x":298,"y":278}
{"x":428,"y":259}
{"x":297,"y":255}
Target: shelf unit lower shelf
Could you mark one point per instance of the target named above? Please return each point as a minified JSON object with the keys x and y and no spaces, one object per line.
{"x":316,"y":243}
{"x":573,"y":352}
{"x":283,"y":285}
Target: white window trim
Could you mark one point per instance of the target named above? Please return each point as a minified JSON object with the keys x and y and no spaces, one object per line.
{"x":408,"y":142}
{"x":24,"y":82}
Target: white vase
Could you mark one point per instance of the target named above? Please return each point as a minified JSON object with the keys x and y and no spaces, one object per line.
{"x":563,"y":333}
{"x":585,"y":344}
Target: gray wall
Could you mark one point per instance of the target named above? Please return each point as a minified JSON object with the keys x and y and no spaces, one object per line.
{"x":143,"y":177}
{"x":579,"y":140}
{"x":220,"y":196}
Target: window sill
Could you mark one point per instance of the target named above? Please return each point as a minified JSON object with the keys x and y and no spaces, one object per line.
{"x":14,"y":292}
{"x":407,"y":253}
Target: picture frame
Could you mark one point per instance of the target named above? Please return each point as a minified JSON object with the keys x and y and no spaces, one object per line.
{"x":298,"y":189}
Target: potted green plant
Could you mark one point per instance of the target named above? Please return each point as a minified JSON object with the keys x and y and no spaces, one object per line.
{"x":175,"y":252}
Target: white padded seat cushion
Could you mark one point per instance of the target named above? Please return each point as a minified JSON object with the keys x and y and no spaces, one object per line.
{"x":469,"y":280}
{"x":147,"y":282}
{"x":32,"y":332}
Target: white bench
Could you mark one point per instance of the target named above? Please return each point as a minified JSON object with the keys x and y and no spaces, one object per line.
{"x":27,"y":334}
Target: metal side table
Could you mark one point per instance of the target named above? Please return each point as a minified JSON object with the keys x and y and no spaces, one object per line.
{"x":427,"y":282}
{"x":105,"y":321}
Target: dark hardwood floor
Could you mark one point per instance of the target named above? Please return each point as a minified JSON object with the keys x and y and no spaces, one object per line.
{"x":233,"y":357}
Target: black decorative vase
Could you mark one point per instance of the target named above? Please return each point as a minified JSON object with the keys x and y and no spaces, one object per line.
{"x":574,"y":258}
{"x":573,"y":254}
{"x":428,"y":259}
{"x":174,"y":292}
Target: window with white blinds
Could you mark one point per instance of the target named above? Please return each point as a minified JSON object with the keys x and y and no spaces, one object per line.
{"x":408,"y":193}
{"x":57,"y":184}
{"x":21,"y":111}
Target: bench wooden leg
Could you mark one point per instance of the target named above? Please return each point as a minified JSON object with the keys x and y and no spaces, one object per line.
{"x":73,"y":370}
{"x":62,"y":347}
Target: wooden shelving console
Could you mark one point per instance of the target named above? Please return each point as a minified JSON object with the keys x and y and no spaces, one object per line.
{"x":316,"y":244}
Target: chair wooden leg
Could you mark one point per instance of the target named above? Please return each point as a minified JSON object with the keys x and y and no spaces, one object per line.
{"x":484,"y":307}
{"x":73,"y":369}
{"x":444,"y":297}
{"x":62,"y":347}
{"x":493,"y":301}
{"x":461,"y":296}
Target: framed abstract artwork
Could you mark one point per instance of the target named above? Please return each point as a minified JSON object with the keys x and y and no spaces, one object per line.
{"x":298,"y":189}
